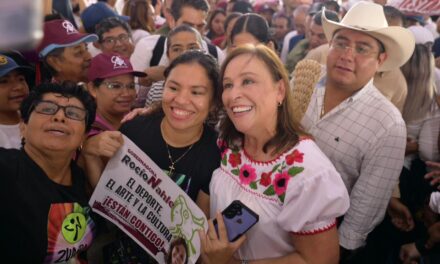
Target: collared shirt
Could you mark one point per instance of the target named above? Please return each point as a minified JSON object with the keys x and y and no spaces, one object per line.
{"x":364,"y":136}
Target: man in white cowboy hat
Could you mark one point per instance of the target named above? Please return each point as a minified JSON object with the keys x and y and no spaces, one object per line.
{"x":361,"y":132}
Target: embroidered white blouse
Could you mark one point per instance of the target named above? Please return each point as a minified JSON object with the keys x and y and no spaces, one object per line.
{"x":299,"y":192}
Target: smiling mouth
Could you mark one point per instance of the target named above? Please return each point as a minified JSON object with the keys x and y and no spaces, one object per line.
{"x":180,"y":112}
{"x":241,"y":109}
{"x":57,"y":132}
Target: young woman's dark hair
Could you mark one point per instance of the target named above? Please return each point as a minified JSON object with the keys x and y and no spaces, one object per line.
{"x":66,"y":89}
{"x":140,"y":15}
{"x":180,"y":241}
{"x":211,"y":33}
{"x":253,"y":24}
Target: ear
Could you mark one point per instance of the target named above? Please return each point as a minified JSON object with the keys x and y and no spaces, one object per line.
{"x":97,"y":45}
{"x":54,"y":62}
{"x":382,"y":58}
{"x":91,"y":89}
{"x":172,"y":22}
{"x":281,"y":91}
{"x":271,"y":45}
{"x":22,"y":128}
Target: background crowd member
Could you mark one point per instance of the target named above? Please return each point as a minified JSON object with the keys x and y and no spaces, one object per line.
{"x":266,"y":10}
{"x":179,"y":40}
{"x":270,"y":165}
{"x":250,"y":29}
{"x":315,"y":37}
{"x":50,"y":212}
{"x":13,"y":90}
{"x":150,"y":53}
{"x":112,"y":85}
{"x":392,"y":83}
{"x":282,"y":25}
{"x":141,"y":18}
{"x":93,"y":14}
{"x":174,"y":135}
{"x":114,"y":37}
{"x":64,"y":53}
{"x":215,"y":24}
{"x":346,"y":112}
{"x":223,"y":41}
{"x":299,"y":20}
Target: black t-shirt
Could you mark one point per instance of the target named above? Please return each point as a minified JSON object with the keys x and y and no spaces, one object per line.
{"x":41,"y":221}
{"x":194,"y":170}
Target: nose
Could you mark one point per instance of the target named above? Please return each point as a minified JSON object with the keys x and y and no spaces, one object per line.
{"x":348,"y":53}
{"x":182,"y":96}
{"x":59,"y":116}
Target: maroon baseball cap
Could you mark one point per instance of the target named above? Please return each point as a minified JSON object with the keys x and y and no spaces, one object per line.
{"x":109,"y":65}
{"x":61,"y":33}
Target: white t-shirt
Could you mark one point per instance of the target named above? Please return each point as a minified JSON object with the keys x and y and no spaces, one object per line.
{"x":143,"y":53}
{"x":10,"y":136}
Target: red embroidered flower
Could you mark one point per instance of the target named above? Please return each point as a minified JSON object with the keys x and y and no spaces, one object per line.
{"x":222,"y":146}
{"x":234,"y":159}
{"x":296,"y":156}
{"x":280,"y":182}
{"x":247,"y":174}
{"x":266,"y":179}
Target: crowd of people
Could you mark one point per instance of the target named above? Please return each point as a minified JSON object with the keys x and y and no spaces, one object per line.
{"x":322,"y":117}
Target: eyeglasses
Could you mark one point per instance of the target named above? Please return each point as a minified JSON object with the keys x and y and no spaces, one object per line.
{"x":111,"y":41}
{"x":359,"y":49}
{"x":119,"y":86}
{"x":51,"y":108}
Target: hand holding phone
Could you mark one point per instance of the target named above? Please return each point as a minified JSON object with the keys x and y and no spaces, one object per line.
{"x":238,"y":219}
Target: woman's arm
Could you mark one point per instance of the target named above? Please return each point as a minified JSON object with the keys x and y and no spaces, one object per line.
{"x":320,"y":248}
{"x":203,"y":202}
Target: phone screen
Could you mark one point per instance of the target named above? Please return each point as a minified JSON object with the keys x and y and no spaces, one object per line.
{"x":238,"y":219}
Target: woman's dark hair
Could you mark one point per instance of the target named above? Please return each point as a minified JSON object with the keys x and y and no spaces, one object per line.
{"x":179,"y":241}
{"x":140,"y":15}
{"x":66,"y":89}
{"x":253,"y":24}
{"x":211,"y":18}
{"x":229,"y":18}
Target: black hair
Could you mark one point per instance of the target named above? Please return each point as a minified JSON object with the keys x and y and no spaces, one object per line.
{"x":330,"y":15}
{"x":392,"y":13}
{"x":109,"y":23}
{"x":282,"y":15}
{"x":253,"y":24}
{"x":183,"y":28}
{"x":178,"y":5}
{"x":66,"y":89}
{"x":332,"y":6}
{"x":213,"y":15}
{"x":179,"y":241}
{"x":229,"y":18}
{"x":243,"y":7}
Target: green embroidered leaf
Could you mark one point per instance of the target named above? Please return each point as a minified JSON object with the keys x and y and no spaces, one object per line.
{"x":269,"y":191}
{"x":224,"y":160}
{"x":253,"y":185}
{"x":276,"y":167}
{"x":295,"y":170}
{"x":235,"y":171}
{"x":282,"y":196}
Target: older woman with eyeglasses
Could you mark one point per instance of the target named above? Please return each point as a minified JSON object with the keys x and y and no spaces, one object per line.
{"x":46,"y":215}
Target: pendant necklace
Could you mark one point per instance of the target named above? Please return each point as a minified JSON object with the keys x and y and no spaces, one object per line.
{"x":172,"y":167}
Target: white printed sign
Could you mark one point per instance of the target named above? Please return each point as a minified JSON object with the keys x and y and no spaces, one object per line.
{"x":138,"y":197}
{"x":417,"y":7}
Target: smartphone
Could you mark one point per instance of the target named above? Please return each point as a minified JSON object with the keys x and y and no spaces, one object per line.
{"x":238,"y":220}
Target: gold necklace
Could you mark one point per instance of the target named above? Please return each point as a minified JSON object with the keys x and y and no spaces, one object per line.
{"x":171,"y":167}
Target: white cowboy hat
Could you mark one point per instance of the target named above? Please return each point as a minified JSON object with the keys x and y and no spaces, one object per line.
{"x":369,"y":18}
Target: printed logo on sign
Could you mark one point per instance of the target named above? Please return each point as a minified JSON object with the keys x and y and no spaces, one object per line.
{"x":70,"y":29}
{"x":74,"y":227}
{"x":118,"y":63}
{"x":3,"y":60}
